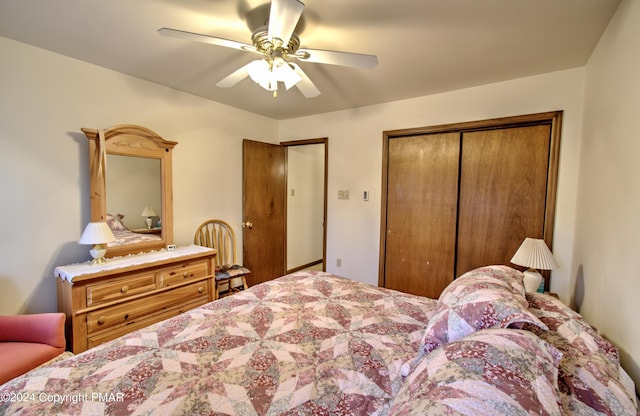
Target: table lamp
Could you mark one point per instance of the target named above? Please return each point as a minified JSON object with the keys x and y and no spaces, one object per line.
{"x":534,"y":254}
{"x":148,"y":212}
{"x":98,"y":234}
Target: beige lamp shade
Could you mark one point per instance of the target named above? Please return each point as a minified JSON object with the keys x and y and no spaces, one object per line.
{"x":535,"y":254}
{"x":148,"y":212}
{"x":96,"y":233}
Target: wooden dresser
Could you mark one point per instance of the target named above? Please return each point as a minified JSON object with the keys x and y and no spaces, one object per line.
{"x":103,"y":302}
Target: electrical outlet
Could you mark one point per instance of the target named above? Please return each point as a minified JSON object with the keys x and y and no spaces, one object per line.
{"x":343,"y":194}
{"x":338,"y":262}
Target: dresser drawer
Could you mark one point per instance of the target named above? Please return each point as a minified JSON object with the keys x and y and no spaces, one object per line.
{"x":128,"y":313}
{"x":181,"y":273}
{"x":120,"y":288}
{"x":104,"y":336}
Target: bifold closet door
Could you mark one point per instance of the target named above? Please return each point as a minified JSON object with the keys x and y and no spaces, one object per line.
{"x":503,"y":192}
{"x":422,"y":199}
{"x":465,"y":195}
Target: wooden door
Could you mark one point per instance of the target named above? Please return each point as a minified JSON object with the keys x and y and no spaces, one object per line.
{"x":263,"y":207}
{"x":422,"y":194}
{"x":503,"y":187}
{"x":436,"y":225}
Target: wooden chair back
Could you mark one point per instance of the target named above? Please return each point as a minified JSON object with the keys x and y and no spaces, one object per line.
{"x":218,"y":234}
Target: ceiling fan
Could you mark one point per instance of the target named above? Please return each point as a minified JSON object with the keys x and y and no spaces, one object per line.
{"x":277,"y":42}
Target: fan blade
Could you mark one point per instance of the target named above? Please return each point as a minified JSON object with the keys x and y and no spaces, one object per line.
{"x":356,"y":60}
{"x":181,"y":34}
{"x":283,"y":18}
{"x":235,"y":77}
{"x":306,"y":87}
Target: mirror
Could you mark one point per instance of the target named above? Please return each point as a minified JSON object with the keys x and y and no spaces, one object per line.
{"x":131,"y":187}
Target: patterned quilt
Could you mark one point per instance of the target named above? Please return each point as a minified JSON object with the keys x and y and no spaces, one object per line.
{"x":312,"y":343}
{"x":307,"y":343}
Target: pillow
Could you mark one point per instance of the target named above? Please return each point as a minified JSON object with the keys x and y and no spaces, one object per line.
{"x":589,"y":380}
{"x":488,"y":297}
{"x":115,"y":222}
{"x":570,"y":325}
{"x":493,"y":371}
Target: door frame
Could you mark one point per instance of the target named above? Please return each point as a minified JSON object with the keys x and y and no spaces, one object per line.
{"x":303,"y":142}
{"x":552,"y":117}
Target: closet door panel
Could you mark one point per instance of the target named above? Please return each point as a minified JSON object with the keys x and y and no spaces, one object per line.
{"x":503,"y":186}
{"x":422,"y":193}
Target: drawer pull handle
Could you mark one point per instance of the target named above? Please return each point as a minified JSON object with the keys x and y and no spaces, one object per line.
{"x":101,"y":320}
{"x":185,"y":274}
{"x":124,"y":289}
{"x":200,"y":289}
{"x":126,"y":317}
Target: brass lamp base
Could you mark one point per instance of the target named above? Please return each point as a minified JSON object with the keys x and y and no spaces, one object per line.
{"x":97,"y":252}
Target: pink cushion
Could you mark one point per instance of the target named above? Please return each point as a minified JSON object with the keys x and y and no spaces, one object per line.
{"x":26,"y":341}
{"x":115,"y":222}
{"x":20,"y":357}
{"x":44,"y":328}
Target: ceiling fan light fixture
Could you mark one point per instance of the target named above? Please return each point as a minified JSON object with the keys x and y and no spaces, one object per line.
{"x":267,"y":73}
{"x":283,"y":72}
{"x":259,"y":70}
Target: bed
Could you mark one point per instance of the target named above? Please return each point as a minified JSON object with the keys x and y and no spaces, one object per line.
{"x":123,"y":235}
{"x":313,"y":343}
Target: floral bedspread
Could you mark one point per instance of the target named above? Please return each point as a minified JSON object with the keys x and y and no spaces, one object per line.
{"x":313,"y":343}
{"x":123,"y":237}
{"x":306,"y":343}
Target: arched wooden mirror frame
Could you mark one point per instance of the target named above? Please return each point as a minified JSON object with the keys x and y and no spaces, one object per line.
{"x":136,"y":141}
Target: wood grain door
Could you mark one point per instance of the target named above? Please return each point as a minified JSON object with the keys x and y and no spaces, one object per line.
{"x":503,"y":192}
{"x":465,"y":195}
{"x":422,"y":195}
{"x":263,"y":210}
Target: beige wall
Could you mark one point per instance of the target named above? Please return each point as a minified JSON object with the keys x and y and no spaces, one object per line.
{"x":305,"y":204}
{"x":355,"y":159}
{"x":606,"y":264}
{"x":45,"y":99}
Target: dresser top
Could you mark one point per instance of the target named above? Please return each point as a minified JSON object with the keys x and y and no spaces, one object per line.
{"x":123,"y":263}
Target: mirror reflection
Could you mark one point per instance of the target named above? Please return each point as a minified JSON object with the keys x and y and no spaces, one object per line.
{"x":134,"y":203}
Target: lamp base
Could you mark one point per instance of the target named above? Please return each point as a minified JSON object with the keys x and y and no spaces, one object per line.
{"x":98,"y":252}
{"x":148,"y":221}
{"x":531,"y":280}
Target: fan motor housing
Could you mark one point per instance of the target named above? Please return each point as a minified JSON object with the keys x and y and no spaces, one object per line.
{"x":260,"y":39}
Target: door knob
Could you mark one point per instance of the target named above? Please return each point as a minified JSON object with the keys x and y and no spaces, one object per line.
{"x":247,"y":224}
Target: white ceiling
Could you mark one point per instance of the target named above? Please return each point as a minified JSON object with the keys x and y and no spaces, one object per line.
{"x":423,"y":46}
